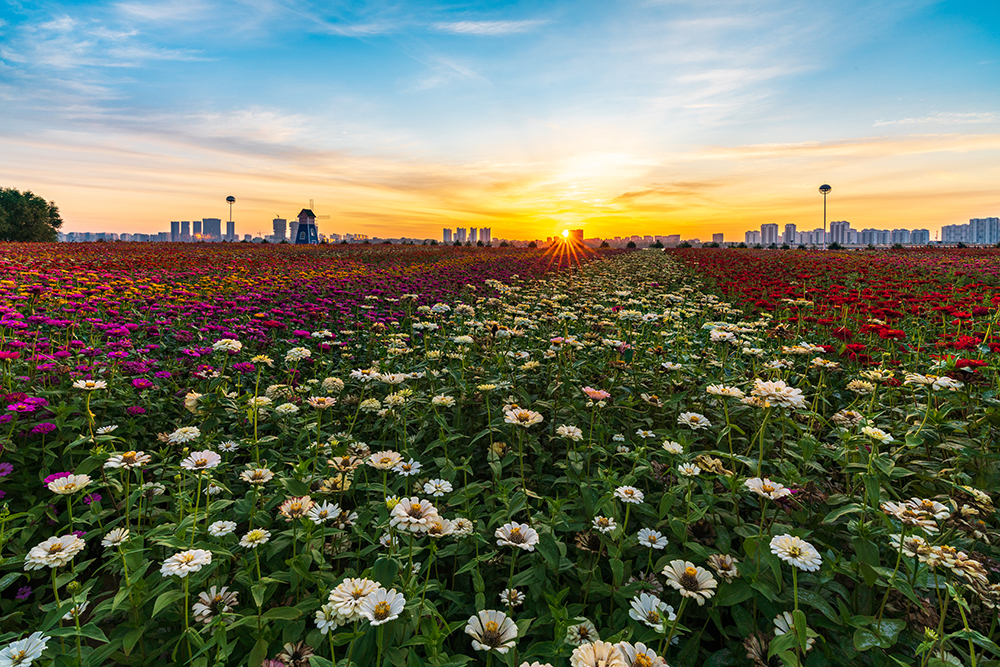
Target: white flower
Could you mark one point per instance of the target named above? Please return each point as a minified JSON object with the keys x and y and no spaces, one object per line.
{"x":65,"y":486}
{"x":228,"y":446}
{"x":127,"y":460}
{"x":798,"y":552}
{"x":690,"y":581}
{"x":254,"y":538}
{"x":512,"y":597}
{"x":407,"y":468}
{"x":522,"y":417}
{"x":767,"y":488}
{"x":115,"y":537}
{"x":327,"y":619}
{"x":90,"y":385}
{"x":185,"y":562}
{"x":492,"y":630}
{"x":629,"y":494}
{"x":184,"y":434}
{"x":604,"y":524}
{"x":778,"y":393}
{"x":642,"y":433}
{"x":517,"y":535}
{"x":221,"y":528}
{"x":414,"y":515}
{"x":688,"y":470}
{"x":24,"y":651}
{"x":876,"y":434}
{"x":297,"y":354}
{"x":672,"y":447}
{"x":784,"y":623}
{"x":227,"y":345}
{"x":618,"y":437}
{"x":597,"y":654}
{"x":321,"y":512}
{"x":652,"y":539}
{"x":348,"y":596}
{"x":694,"y":420}
{"x":53,"y":552}
{"x":581,"y":633}
{"x":104,"y":430}
{"x":203,"y":460}
{"x":286,"y":409}
{"x":571,"y":432}
{"x":652,"y":611}
{"x":437,"y":487}
{"x":74,"y":612}
{"x":443,"y":401}
{"x":382,"y":606}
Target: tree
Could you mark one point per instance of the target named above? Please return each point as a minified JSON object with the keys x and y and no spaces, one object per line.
{"x":742,"y":245}
{"x":532,"y":245}
{"x":25,"y":216}
{"x":605,"y":244}
{"x":684,"y":244}
{"x":503,"y":244}
{"x":480,"y":244}
{"x":656,"y":244}
{"x":630,"y":244}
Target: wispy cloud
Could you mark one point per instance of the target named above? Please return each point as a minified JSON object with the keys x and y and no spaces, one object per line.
{"x":944,"y":119}
{"x":488,"y":28}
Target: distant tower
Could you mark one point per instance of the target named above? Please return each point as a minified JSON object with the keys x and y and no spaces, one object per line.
{"x":486,"y":235}
{"x":278,"y":225}
{"x":230,"y":230}
{"x":306,"y":232}
{"x":175,"y":231}
{"x":472,"y":235}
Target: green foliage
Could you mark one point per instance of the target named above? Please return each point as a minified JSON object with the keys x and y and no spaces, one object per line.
{"x":26,"y":217}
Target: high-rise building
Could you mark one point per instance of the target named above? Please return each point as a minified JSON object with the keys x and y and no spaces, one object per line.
{"x":196,"y":229}
{"x":769,"y":233}
{"x":231,"y":230}
{"x":175,"y":230}
{"x":920,"y":236}
{"x":839,"y":231}
{"x":473,"y":233}
{"x":185,"y":230}
{"x":462,"y":235}
{"x":718,"y":238}
{"x":447,"y":236}
{"x":752,"y":237}
{"x":486,"y":235}
{"x":280,"y":226}
{"x":790,"y":231}
{"x":984,"y":231}
{"x":211,"y":229}
{"x":162,"y":237}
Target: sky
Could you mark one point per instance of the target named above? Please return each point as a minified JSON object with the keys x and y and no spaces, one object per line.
{"x":401,"y":118}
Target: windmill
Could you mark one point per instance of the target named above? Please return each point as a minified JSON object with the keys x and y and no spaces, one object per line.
{"x":305,"y":232}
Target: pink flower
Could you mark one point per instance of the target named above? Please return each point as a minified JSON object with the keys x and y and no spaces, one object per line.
{"x":596,"y":394}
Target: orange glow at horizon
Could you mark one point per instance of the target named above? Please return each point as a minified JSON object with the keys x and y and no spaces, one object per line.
{"x":884,"y":182}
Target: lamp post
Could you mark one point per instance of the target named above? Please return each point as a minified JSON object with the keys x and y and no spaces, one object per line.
{"x":824,"y":190}
{"x":232,"y":200}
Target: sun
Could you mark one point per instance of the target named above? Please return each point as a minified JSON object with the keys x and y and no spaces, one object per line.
{"x":565,"y":233}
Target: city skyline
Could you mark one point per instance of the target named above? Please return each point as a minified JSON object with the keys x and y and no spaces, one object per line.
{"x":527,"y":118}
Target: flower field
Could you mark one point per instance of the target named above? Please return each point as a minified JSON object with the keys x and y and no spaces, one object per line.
{"x":405,"y":456}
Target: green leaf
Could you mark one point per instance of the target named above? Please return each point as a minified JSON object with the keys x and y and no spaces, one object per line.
{"x":258,"y":653}
{"x":384,"y":571}
{"x":258,"y":591}
{"x":549,"y":548}
{"x":91,"y":631}
{"x":817,"y":602}
{"x":282,"y":613}
{"x":867,"y":551}
{"x":781,"y":643}
{"x":733,"y":593}
{"x":317,"y":661}
{"x":618,"y":570}
{"x":165,"y":600}
{"x":801,"y":626}
{"x":131,"y":639}
{"x":850,"y":508}
{"x":8,"y":579}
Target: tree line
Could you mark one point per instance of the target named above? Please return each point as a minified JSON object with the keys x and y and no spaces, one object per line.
{"x":26,"y":217}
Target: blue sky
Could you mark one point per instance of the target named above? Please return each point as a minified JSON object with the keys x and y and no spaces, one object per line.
{"x":402,"y":118}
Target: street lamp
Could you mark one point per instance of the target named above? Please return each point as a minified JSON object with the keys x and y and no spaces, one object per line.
{"x":232,"y":200}
{"x":824,"y":190}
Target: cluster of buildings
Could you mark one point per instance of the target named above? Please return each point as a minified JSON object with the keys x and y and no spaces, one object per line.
{"x":979,"y":231}
{"x":840,"y":232}
{"x":472,"y":235}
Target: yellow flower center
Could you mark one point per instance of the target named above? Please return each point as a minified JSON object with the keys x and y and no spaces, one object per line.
{"x":381,"y":611}
{"x":690,"y":572}
{"x":201,"y":462}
